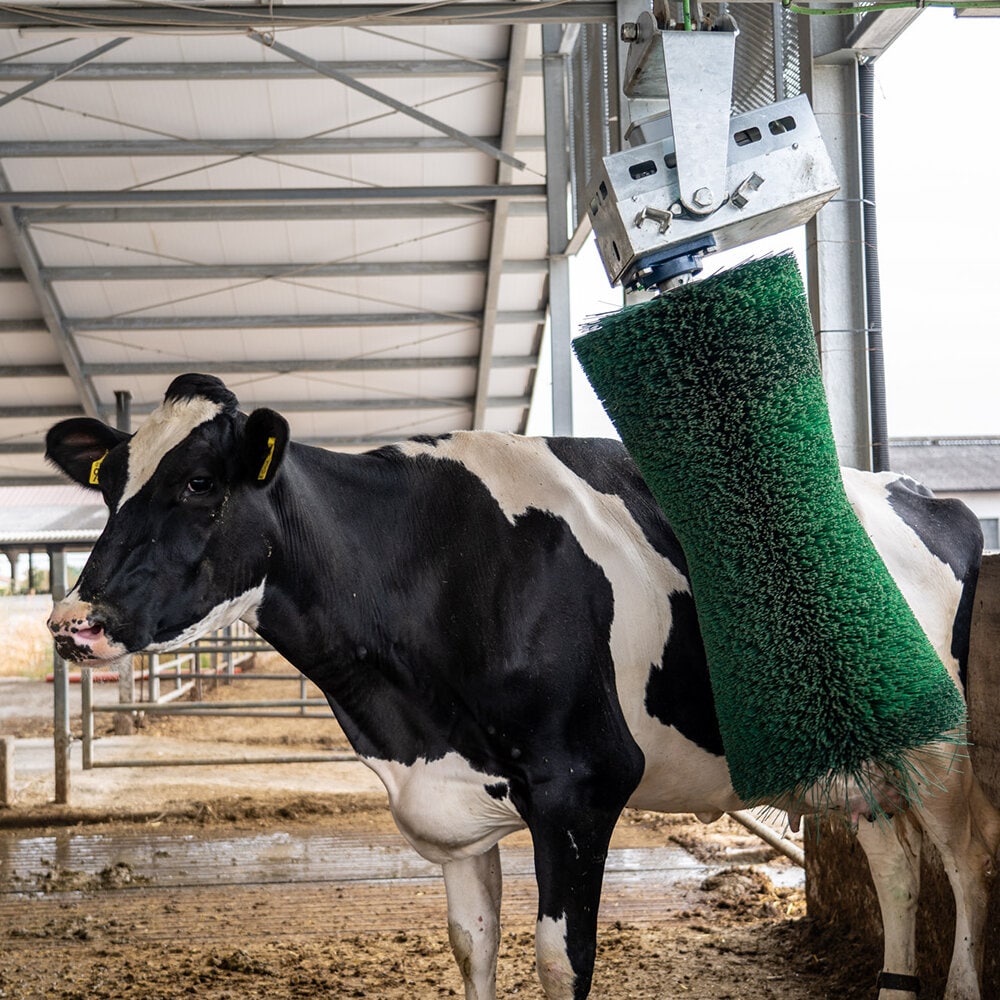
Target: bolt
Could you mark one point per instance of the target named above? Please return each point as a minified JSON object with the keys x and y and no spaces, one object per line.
{"x":629,"y":31}
{"x":703,"y":198}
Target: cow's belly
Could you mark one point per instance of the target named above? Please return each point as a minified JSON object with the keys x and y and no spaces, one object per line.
{"x":681,"y":777}
{"x":443,"y":807}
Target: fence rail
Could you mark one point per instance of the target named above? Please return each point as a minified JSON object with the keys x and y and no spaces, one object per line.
{"x":161,"y":684}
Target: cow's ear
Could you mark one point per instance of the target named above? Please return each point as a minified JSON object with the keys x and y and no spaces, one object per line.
{"x":264,"y":440}
{"x":78,"y":447}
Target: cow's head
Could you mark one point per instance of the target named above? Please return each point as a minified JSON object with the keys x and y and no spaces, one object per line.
{"x":186,"y":545}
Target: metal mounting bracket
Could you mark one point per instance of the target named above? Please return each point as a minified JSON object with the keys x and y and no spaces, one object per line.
{"x":694,"y":70}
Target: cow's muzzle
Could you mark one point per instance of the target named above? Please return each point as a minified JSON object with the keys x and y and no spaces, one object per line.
{"x":81,"y":635}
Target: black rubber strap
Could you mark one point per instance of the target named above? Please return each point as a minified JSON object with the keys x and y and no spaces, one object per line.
{"x":894,"y":981}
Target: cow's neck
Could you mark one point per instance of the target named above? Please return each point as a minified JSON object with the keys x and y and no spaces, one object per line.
{"x":343,"y":563}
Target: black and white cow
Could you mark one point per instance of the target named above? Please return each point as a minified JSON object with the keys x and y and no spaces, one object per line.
{"x":504,"y":628}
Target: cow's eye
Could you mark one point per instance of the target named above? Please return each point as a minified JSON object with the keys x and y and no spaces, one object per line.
{"x":199,"y":486}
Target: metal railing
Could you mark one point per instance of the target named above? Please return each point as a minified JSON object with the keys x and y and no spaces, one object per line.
{"x":157,"y":687}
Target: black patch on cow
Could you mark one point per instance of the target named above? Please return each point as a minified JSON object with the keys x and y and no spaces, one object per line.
{"x":499,"y":790}
{"x":605,"y":466}
{"x":947,"y":528}
{"x":431,"y":440}
{"x":483,"y":636}
{"x":951,"y":532}
{"x":194,"y":386}
{"x":679,"y":689}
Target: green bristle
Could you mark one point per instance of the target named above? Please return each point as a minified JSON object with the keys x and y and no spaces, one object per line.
{"x":819,"y":667}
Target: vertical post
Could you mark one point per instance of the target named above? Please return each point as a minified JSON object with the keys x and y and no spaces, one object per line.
{"x":557,"y":185}
{"x":123,"y":410}
{"x":87,"y":715}
{"x":835,"y":240}
{"x":6,"y":771}
{"x":124,"y":723}
{"x":61,"y":736}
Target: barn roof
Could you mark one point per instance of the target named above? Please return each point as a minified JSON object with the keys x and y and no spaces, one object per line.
{"x":49,"y":515}
{"x":339,"y":209}
{"x":357,"y":213}
{"x":949,"y":465}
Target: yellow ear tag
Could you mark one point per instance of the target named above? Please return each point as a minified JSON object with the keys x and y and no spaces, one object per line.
{"x":262,"y":475}
{"x":94,"y":468}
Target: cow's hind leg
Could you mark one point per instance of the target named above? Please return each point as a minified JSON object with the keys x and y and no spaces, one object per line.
{"x":474,"y":887}
{"x":893,"y":852}
{"x":965,"y":828}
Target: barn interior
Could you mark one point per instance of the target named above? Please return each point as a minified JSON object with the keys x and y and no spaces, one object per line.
{"x":367,"y":216}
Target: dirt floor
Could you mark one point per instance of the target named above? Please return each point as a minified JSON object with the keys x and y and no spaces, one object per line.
{"x":216,"y":932}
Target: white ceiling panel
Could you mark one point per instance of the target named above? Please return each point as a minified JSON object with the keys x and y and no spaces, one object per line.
{"x":206,"y":202}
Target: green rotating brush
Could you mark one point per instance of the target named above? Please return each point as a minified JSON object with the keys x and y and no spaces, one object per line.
{"x":819,"y":668}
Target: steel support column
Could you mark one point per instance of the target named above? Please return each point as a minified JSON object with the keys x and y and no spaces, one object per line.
{"x":557,"y":185}
{"x":834,"y":239}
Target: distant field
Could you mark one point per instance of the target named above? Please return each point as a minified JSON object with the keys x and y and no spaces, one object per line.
{"x":24,"y":640}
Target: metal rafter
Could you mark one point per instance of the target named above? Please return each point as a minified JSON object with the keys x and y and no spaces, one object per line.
{"x":308,"y":146}
{"x":240,"y":16}
{"x":258,"y":212}
{"x":346,"y":80}
{"x":271,"y":196}
{"x":278,"y":367}
{"x":250,"y":70}
{"x":498,"y":233}
{"x":368,"y":404}
{"x":52,"y":315}
{"x":58,"y":72}
{"x":87,"y":324}
{"x":297,"y":366}
{"x":337,"y":269}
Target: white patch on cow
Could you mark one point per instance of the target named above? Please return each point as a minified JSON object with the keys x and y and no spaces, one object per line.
{"x":552,"y":962}
{"x":442,"y":807}
{"x":163,"y":430}
{"x":244,"y":608}
{"x":926,"y":582}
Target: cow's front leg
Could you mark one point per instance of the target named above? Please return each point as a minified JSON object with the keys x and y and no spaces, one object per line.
{"x":474,"y":887}
{"x":893,"y":852}
{"x":569,"y":866}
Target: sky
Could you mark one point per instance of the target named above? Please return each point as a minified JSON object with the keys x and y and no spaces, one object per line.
{"x":937,"y":162}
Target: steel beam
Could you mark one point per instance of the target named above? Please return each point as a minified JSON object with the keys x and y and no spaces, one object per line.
{"x":308,"y":146}
{"x":498,"y":231}
{"x":81,"y":324}
{"x":367,"y":404}
{"x":152,"y":17}
{"x":298,"y":365}
{"x":336,"y":269}
{"x":58,"y":72}
{"x":52,"y":315}
{"x":271,"y":196}
{"x":70,"y":215}
{"x":346,"y":80}
{"x":254,"y":70}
